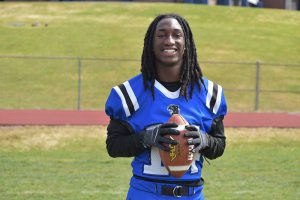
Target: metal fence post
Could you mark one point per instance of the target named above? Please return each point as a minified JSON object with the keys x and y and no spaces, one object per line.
{"x":257,"y":86}
{"x":79,"y":84}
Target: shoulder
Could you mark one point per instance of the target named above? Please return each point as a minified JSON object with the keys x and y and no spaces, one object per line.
{"x":214,"y":97}
{"x":209,"y":83}
{"x":123,"y":98}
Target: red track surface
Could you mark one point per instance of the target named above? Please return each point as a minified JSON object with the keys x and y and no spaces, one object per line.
{"x":87,"y":117}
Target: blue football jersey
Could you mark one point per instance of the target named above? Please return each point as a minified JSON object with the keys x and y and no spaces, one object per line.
{"x":130,"y":102}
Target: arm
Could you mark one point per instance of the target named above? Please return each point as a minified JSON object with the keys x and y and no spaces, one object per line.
{"x":121,"y":140}
{"x":216,"y":140}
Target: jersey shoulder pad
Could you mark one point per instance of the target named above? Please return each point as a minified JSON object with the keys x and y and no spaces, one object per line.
{"x":215,"y":100}
{"x":122,"y":101}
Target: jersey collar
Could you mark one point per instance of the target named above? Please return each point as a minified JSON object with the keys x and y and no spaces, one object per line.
{"x":167,"y":93}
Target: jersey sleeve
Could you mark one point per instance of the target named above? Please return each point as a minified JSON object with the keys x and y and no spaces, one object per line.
{"x":215,"y":104}
{"x":215,"y":99}
{"x":113,"y":106}
{"x":222,"y":111}
{"x":121,"y":102}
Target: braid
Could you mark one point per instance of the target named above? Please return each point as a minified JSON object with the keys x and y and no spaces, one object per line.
{"x":190,"y":70}
{"x":148,"y":66}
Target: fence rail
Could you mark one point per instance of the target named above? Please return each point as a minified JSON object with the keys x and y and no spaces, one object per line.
{"x":257,"y":89}
{"x":137,"y":60}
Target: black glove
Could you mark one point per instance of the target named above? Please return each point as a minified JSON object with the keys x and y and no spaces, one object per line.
{"x":197,"y":138}
{"x":155,"y":136}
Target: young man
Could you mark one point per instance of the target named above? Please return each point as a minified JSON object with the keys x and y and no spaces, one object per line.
{"x":170,"y":82}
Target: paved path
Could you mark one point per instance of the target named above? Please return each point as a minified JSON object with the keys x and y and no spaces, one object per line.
{"x":92,"y":117}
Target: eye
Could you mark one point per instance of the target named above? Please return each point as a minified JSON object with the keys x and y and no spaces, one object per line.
{"x":178,"y":35}
{"x":160,"y":36}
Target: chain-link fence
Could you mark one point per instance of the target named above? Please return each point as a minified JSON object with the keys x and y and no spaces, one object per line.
{"x":30,"y":82}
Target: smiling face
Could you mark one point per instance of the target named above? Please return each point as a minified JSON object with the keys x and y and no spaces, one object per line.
{"x":169,"y":43}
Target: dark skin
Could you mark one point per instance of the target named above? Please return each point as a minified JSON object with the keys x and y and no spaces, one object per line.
{"x":169,"y":47}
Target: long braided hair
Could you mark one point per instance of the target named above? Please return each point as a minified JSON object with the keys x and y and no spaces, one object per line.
{"x":190,"y":70}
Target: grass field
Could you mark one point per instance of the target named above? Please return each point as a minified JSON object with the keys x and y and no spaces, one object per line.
{"x":72,"y":163}
{"x":116,"y":30}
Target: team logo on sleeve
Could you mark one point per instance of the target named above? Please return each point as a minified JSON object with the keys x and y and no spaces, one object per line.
{"x":173,"y":109}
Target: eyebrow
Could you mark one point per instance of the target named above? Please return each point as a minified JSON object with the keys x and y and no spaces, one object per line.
{"x":176,"y":29}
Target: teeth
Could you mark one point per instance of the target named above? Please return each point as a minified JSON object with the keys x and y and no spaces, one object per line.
{"x":169,"y":50}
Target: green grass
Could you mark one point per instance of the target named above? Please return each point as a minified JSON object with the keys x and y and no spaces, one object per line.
{"x":72,"y":163}
{"x":116,"y":30}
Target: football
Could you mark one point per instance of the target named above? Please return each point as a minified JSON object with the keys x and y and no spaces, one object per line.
{"x":179,"y":159}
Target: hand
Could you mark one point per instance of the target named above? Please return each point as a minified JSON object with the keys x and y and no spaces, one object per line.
{"x":155,"y":136}
{"x":197,"y":138}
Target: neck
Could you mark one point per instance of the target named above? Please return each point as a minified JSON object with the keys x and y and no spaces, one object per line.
{"x":169,"y":73}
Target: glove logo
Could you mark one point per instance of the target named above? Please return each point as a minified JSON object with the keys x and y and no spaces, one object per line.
{"x":173,"y":109}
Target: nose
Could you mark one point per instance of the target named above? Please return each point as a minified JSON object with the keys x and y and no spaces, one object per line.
{"x":169,"y":40}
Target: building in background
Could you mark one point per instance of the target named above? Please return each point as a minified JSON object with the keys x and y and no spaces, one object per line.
{"x":282,"y":4}
{"x":279,"y":4}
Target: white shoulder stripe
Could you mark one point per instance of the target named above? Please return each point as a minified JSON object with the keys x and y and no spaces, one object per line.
{"x":119,"y":92}
{"x":214,"y":96}
{"x":209,"y":93}
{"x":132,"y":96}
{"x":218,"y":101}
